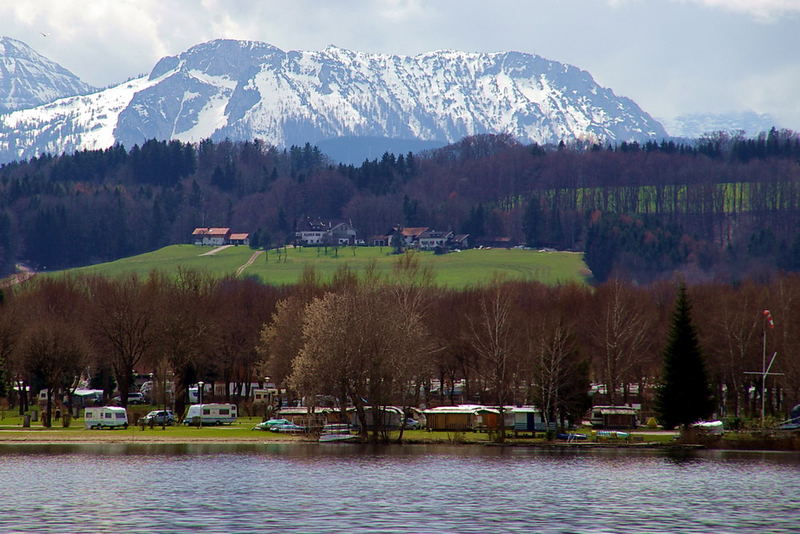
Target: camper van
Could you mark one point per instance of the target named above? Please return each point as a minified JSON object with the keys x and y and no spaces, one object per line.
{"x":211,"y":414}
{"x":105,"y":417}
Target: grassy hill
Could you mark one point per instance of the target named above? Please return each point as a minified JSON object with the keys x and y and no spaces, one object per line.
{"x":457,"y":269}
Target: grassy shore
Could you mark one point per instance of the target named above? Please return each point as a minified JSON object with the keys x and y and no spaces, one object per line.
{"x":456,"y":269}
{"x":241,"y":431}
{"x":11,"y":431}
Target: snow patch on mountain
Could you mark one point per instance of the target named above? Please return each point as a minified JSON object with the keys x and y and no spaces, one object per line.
{"x":69,"y":124}
{"x":28,"y":79}
{"x":246,"y":89}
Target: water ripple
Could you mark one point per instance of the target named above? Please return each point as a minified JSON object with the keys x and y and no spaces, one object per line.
{"x":403,"y":490}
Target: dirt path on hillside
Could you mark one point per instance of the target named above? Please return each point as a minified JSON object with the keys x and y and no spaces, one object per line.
{"x":23,"y":273}
{"x":214,"y":251}
{"x":249,"y":262}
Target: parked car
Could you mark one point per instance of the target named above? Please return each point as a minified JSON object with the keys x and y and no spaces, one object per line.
{"x":412,"y":424}
{"x":159,"y":417}
{"x":134,"y":397}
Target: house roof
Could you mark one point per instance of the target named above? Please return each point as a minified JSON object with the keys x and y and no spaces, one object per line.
{"x":219,"y":231}
{"x":615,"y":410}
{"x":239,"y":237}
{"x":211,"y":231}
{"x":413,"y":232}
{"x":434,"y":234}
{"x":476,"y":408}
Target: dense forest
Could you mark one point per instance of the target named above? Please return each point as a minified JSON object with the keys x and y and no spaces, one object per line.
{"x":407,"y":343}
{"x":721,"y":208}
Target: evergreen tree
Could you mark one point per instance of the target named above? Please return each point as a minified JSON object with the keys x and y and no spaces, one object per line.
{"x":685,"y":395}
{"x":532,"y":222}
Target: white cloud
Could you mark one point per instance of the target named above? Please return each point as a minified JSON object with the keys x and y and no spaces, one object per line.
{"x":763,"y":10}
{"x":671,"y":56}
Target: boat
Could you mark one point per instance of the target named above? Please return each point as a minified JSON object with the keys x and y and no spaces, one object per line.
{"x":337,"y":433}
{"x":335,"y":437}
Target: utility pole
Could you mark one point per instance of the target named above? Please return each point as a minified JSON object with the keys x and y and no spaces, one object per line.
{"x":768,"y":322}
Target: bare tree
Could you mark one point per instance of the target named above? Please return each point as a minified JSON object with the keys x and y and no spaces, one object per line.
{"x":53,"y":353}
{"x":559,"y":376}
{"x":621,"y":333}
{"x":123,"y":325}
{"x":282,"y":338}
{"x":357,"y":346}
{"x":494,"y":339}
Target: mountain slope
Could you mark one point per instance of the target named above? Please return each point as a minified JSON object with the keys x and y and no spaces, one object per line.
{"x":695,"y":125}
{"x":28,"y":79}
{"x":244,"y":90}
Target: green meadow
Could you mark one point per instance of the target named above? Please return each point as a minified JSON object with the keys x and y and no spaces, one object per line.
{"x":285,"y":266}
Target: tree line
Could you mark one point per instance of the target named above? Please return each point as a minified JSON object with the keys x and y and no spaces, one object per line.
{"x":721,"y":207}
{"x":362,"y":340}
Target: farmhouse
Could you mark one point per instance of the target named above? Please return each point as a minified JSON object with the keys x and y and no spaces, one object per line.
{"x":218,"y":237}
{"x":239,"y":239}
{"x":422,"y":238}
{"x":211,"y":236}
{"x":320,"y":232}
{"x":431,"y":239}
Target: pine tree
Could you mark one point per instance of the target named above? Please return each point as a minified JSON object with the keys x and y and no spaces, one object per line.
{"x":685,"y":395}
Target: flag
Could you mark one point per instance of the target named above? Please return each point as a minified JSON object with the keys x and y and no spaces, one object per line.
{"x":768,"y":317}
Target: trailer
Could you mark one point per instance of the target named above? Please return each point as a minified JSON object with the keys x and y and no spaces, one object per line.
{"x":210,"y":414}
{"x":105,"y":417}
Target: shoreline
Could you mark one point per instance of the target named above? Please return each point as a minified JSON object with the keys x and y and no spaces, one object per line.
{"x":111,"y":439}
{"x":651,"y":441}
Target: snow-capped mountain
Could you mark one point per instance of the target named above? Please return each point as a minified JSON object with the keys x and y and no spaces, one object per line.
{"x":695,"y":125}
{"x":245,"y":90}
{"x":28,"y":79}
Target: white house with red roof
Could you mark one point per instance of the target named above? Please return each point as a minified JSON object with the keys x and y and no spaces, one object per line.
{"x":218,"y":237}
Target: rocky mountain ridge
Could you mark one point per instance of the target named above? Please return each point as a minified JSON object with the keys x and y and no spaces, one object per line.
{"x":226,"y":89}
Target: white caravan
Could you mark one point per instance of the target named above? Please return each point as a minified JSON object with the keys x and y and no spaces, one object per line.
{"x":105,"y":417}
{"x":211,"y":414}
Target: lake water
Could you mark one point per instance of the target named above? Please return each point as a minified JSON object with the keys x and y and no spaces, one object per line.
{"x":349,"y":488}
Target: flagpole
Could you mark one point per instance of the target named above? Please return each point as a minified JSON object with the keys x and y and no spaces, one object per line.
{"x":768,"y":322}
{"x":763,"y":371}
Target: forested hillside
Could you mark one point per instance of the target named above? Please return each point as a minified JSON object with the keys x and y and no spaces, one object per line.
{"x":722,"y":207}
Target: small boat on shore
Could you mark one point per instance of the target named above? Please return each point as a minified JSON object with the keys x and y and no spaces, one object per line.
{"x":335,"y":437}
{"x":335,"y":433}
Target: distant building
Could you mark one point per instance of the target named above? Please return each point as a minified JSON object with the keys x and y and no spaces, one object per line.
{"x":322,"y":232}
{"x":239,"y":239}
{"x":211,"y":236}
{"x":459,"y":241}
{"x":423,"y":238}
{"x":218,"y":237}
{"x":431,"y":239}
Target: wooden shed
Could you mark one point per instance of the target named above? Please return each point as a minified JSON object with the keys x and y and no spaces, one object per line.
{"x":456,"y":418}
{"x":615,"y":417}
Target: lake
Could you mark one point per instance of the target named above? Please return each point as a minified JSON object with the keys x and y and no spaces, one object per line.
{"x":162,"y":488}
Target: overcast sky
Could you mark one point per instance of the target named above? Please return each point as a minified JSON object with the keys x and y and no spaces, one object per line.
{"x":671,"y":56}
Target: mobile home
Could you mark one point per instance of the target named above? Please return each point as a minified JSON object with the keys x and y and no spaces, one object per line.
{"x":105,"y":417}
{"x":211,"y":414}
{"x":615,"y":417}
{"x":531,"y":419}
